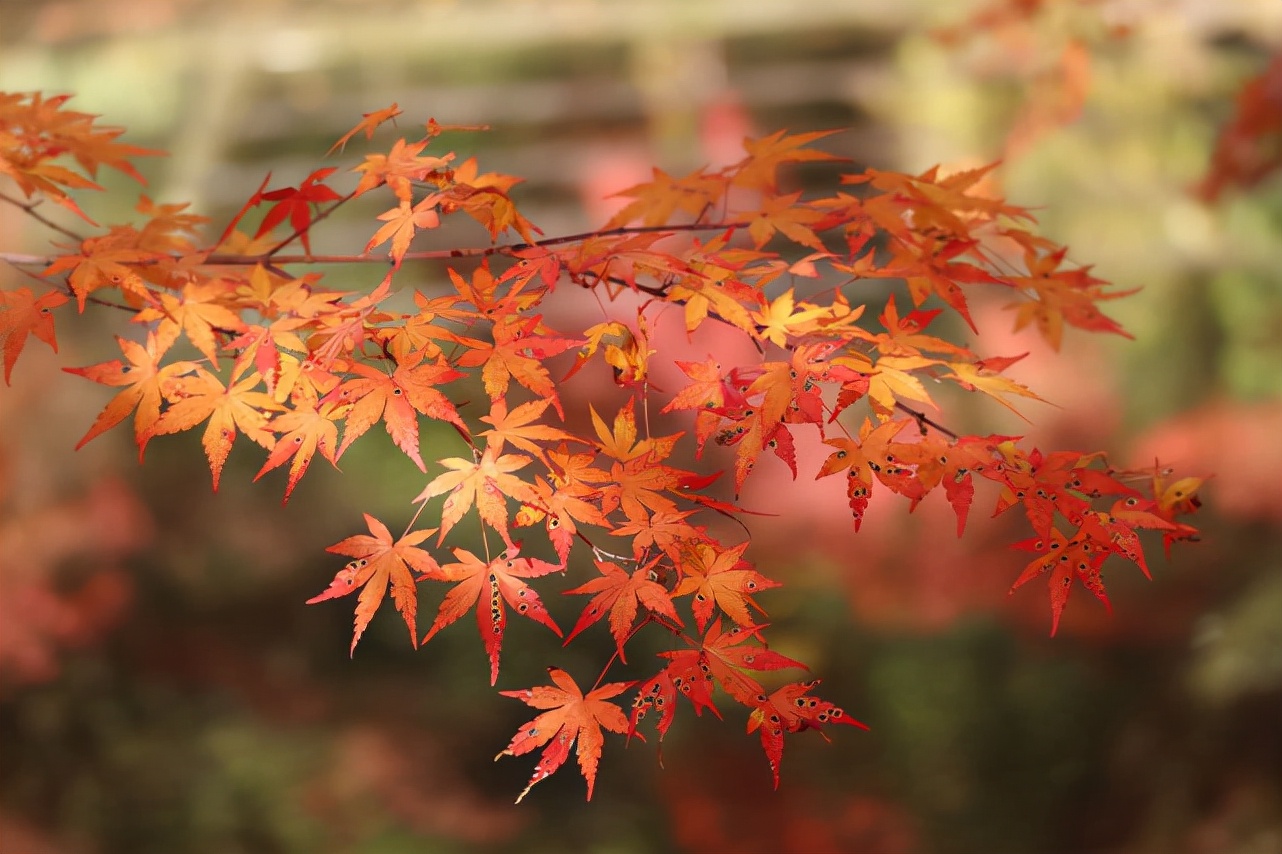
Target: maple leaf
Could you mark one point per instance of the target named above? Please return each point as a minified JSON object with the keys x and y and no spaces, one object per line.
{"x":367,"y":125}
{"x":974,"y":377}
{"x":710,"y":393}
{"x":487,"y":585}
{"x":1059,"y":295}
{"x":792,"y":709}
{"x":951,"y":464}
{"x":23,"y":313}
{"x":399,"y":169}
{"x":905,"y":337}
{"x":721,"y":657}
{"x":1062,"y":561}
{"x":395,"y":399}
{"x":103,"y":262}
{"x":729,"y":653}
{"x":560,"y":511}
{"x":621,"y":440}
{"x":487,"y":481}
{"x":655,"y":201}
{"x":626,"y":352}
{"x":872,"y":456}
{"x":785,"y":215}
{"x":1247,"y":149}
{"x":621,"y":594}
{"x":485,"y":198}
{"x":572,"y":717}
{"x":142,"y":379}
{"x":518,"y":353}
{"x":664,"y":530}
{"x":36,"y":130}
{"x":199,"y":312}
{"x":521,"y":427}
{"x":378,"y":563}
{"x":885,"y":383}
{"x":686,"y":674}
{"x":719,"y":577}
{"x":307,"y":429}
{"x":295,"y":203}
{"x":193,"y":399}
{"x":402,"y":221}
{"x":765,"y":156}
{"x":712,"y":285}
{"x":928,"y":268}
{"x":778,"y":320}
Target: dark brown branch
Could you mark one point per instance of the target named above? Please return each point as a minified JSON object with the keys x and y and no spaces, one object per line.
{"x":923,"y":421}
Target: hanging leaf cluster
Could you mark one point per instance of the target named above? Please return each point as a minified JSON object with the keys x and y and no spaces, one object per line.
{"x":245,"y":334}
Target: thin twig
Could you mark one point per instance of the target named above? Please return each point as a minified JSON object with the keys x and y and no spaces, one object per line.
{"x":30,"y":209}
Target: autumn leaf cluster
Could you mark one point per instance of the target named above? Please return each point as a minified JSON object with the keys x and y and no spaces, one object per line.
{"x":243,"y":334}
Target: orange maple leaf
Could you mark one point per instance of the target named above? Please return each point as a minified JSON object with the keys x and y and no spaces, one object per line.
{"x":104,"y":262}
{"x":785,"y":215}
{"x":142,"y":379}
{"x":522,"y":427}
{"x":1062,"y":561}
{"x":487,"y":585}
{"x":655,"y":201}
{"x":487,"y":481}
{"x":518,"y":353}
{"x":200,"y":312}
{"x":367,"y":125}
{"x":23,"y":313}
{"x":395,"y":399}
{"x":400,"y":168}
{"x":720,"y":578}
{"x":759,"y":169}
{"x":194,"y":399}
{"x":561,"y":510}
{"x":571,"y":717}
{"x":402,"y":221}
{"x":378,"y":563}
{"x":305,"y":430}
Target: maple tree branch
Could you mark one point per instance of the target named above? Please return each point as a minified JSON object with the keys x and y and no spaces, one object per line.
{"x":227,"y":259}
{"x":30,"y":209}
{"x":924,"y":421}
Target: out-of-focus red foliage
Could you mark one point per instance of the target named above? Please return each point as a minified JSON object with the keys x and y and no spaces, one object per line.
{"x":59,"y":560}
{"x":1236,"y":440}
{"x":1250,"y":145}
{"x":410,"y":774}
{"x":797,"y":817}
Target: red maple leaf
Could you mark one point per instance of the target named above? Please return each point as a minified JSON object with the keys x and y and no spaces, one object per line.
{"x":621,"y":594}
{"x":1063,"y":560}
{"x":295,"y":203}
{"x":487,"y":585}
{"x":791,"y":709}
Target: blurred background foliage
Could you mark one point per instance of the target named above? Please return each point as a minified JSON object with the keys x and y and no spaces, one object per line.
{"x":163,"y":689}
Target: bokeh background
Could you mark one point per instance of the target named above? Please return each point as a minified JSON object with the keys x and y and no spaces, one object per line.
{"x":163,"y":688}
